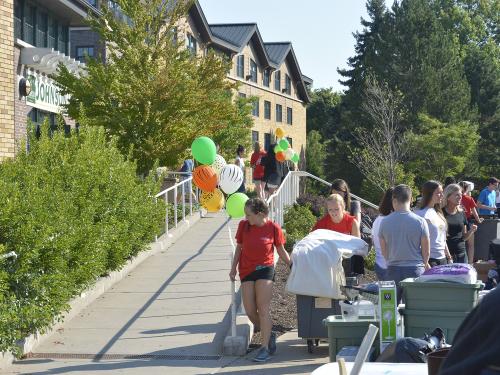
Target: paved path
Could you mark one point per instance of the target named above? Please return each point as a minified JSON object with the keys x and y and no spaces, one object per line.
{"x":173,"y":310}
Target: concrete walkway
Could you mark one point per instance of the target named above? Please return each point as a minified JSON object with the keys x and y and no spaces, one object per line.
{"x":169,"y":316}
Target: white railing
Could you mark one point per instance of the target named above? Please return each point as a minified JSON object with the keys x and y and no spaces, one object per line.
{"x":176,"y":196}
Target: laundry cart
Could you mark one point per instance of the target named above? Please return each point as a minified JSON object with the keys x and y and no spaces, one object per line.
{"x":316,"y":278}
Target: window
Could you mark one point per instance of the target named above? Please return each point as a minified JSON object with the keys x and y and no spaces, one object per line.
{"x":267,"y":110}
{"x":255,"y":109}
{"x":52,"y":40}
{"x":29,"y":24}
{"x":288,"y":84}
{"x":191,"y":44}
{"x":242,"y":95}
{"x":289,"y":119}
{"x":277,"y":80}
{"x":290,"y":141}
{"x":267,"y":141}
{"x":18,"y":19}
{"x":253,"y":71}
{"x":82,"y":53}
{"x":41,"y":29}
{"x":240,"y":66}
{"x":266,"y":77}
{"x":92,"y":2}
{"x":255,"y":137}
{"x":279,"y":113}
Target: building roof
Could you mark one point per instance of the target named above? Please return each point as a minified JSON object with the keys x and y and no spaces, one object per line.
{"x":233,"y":37}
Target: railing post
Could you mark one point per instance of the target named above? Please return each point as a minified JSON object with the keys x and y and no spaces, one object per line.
{"x":183,"y":201}
{"x":175,"y":206}
{"x":166,"y":213}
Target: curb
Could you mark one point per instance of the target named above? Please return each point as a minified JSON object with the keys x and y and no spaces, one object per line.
{"x":77,"y":304}
{"x":238,"y":345}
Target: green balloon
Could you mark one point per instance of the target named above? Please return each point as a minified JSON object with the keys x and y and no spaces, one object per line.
{"x":203,"y":150}
{"x":284,"y":144}
{"x":235,"y":205}
{"x":295,"y":158}
{"x":277,"y":149}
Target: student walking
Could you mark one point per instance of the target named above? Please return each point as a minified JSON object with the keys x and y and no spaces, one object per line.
{"x":470,"y":209}
{"x":240,"y":162}
{"x":404,"y":239}
{"x":256,"y":238}
{"x":487,"y":198}
{"x":258,"y":170}
{"x":430,"y":210}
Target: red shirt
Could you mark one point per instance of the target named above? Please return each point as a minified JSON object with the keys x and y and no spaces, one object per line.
{"x":257,"y":245}
{"x":258,"y":169}
{"x":468,"y":204}
{"x":326,"y":222}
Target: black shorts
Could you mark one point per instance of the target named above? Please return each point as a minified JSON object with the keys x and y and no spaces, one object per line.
{"x":264,"y":273}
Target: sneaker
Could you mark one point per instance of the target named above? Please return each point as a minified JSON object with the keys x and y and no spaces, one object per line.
{"x":272,"y":343}
{"x":262,"y":355}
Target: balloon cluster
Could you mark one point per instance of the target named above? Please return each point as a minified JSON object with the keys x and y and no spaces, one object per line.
{"x":283,"y":150}
{"x":215,"y":177}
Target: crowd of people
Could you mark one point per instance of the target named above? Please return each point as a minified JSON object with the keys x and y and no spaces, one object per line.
{"x":407,"y":240}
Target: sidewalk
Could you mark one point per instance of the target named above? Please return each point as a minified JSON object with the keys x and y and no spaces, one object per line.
{"x":174,"y":308}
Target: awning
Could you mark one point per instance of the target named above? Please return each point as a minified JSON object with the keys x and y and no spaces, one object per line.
{"x":46,"y":60}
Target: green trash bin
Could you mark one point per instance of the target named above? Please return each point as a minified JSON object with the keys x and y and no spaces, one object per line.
{"x":346,"y":333}
{"x":440,"y":296}
{"x":419,"y":322}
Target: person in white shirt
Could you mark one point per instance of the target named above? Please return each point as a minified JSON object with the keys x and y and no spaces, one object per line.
{"x":384,"y":208}
{"x":430,"y":210}
{"x":240,"y":162}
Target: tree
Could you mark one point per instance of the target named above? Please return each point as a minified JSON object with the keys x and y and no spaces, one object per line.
{"x":381,"y":148}
{"x":442,"y":149}
{"x":152,"y":93}
{"x":315,"y":154}
{"x":321,"y":111}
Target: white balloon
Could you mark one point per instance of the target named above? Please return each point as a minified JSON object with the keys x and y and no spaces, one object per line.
{"x":231,"y":178}
{"x":218,"y":164}
{"x":289,"y":153}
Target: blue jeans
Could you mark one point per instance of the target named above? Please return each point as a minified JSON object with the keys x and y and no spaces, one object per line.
{"x":399,"y":273}
{"x":380,"y":272}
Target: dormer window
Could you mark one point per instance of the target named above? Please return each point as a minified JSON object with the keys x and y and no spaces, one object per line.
{"x":277,"y":80}
{"x":191,"y":44}
{"x":240,"y":66}
{"x":266,"y":77}
{"x":253,"y":71}
{"x":288,"y":84}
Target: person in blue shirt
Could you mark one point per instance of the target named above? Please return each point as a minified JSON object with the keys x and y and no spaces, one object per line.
{"x":486,"y":202}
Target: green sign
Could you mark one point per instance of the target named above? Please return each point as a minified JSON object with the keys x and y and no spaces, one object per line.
{"x":45,"y":94}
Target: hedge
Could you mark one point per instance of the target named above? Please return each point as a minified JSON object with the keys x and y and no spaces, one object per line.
{"x":73,"y":209}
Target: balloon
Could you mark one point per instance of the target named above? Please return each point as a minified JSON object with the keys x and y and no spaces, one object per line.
{"x":284,"y":144}
{"x":280,"y":133}
{"x":295,"y":158}
{"x":218,"y":164}
{"x":280,"y":156}
{"x":203,"y":150}
{"x":289,"y":153}
{"x":231,"y":178}
{"x":277,"y":149}
{"x":235,"y":206}
{"x":212,"y":201}
{"x":205,"y":178}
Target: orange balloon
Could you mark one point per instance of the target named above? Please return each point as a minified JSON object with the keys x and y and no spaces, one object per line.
{"x":205,"y":178}
{"x":280,"y":156}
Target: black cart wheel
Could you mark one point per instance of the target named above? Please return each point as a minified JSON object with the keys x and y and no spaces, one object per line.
{"x":310,"y":346}
{"x":316,"y":342}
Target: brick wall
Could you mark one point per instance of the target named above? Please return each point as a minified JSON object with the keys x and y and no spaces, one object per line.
{"x":7,"y":79}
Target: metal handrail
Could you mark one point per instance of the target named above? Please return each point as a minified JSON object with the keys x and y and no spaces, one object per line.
{"x":185,"y":185}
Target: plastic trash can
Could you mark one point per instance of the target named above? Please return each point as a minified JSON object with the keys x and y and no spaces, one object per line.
{"x":440,"y":296}
{"x":346,"y":333}
{"x":488,"y":230}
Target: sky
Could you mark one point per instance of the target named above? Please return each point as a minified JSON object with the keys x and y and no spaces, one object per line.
{"x":320,"y":30}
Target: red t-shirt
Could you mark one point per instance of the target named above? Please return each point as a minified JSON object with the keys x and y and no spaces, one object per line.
{"x":258,"y":169}
{"x":257,"y":245}
{"x":468,"y":204}
{"x":326,"y":222}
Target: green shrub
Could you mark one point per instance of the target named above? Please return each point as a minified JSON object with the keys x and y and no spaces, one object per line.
{"x":299,"y":221}
{"x":72,"y":209}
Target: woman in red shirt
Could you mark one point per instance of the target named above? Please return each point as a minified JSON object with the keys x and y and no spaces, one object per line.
{"x":337,"y":219}
{"x":256,"y":238}
{"x":470,"y":208}
{"x":258,"y":170}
